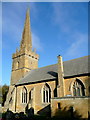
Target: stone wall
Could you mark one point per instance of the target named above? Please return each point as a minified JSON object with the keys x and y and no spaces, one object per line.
{"x":79,"y":104}
{"x":17,"y":106}
{"x":36,"y":102}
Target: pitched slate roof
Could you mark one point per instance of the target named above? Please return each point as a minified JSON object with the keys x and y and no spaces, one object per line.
{"x":72,"y":67}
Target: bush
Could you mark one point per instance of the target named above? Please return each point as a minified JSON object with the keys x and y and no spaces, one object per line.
{"x":60,"y":115}
{"x":9,"y":115}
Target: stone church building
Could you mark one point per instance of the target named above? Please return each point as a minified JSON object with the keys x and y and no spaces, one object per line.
{"x":47,"y":88}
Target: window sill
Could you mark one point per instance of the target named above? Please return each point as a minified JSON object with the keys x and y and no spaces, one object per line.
{"x":45,"y":104}
{"x":23,"y":103}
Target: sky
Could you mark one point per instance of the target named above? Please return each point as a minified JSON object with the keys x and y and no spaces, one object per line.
{"x":57,"y":29}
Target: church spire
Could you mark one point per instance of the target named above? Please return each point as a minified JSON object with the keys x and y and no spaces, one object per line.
{"x":26,"y":41}
{"x":24,"y":59}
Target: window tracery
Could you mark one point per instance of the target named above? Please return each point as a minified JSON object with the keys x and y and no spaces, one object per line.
{"x":78,"y":88}
{"x":46,"y":94}
{"x":24,"y":95}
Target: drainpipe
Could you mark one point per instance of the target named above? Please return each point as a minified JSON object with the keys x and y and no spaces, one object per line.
{"x":60,"y":87}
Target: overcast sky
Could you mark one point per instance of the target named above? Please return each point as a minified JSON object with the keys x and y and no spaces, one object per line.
{"x":57,"y":28}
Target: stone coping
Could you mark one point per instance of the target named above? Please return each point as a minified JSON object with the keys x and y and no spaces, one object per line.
{"x":70,"y":97}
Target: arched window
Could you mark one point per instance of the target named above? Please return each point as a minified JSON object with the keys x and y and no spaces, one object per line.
{"x":46,"y":94}
{"x":31,"y":94}
{"x":78,"y":88}
{"x":24,"y":95}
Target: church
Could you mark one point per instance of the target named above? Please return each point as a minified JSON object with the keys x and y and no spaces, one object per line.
{"x":49,"y":88}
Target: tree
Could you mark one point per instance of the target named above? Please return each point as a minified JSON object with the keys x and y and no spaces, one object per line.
{"x":5,"y":89}
{"x":0,"y":95}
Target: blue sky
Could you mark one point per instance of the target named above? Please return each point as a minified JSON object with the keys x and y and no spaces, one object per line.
{"x":57,"y":28}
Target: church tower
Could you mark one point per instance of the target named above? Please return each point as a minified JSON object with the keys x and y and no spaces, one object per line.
{"x":24,"y":59}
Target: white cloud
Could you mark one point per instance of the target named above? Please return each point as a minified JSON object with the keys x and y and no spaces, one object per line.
{"x":78,"y":46}
{"x":36,"y":42}
{"x":13,"y":20}
{"x":11,"y":23}
{"x":64,"y":18}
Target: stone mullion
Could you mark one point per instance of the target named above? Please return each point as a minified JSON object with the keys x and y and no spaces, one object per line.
{"x":45,"y":96}
{"x":80,"y":90}
{"x":48,"y":95}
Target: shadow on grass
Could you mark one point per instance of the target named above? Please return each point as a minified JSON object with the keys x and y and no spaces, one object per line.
{"x":67,"y":114}
{"x":60,"y":114}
